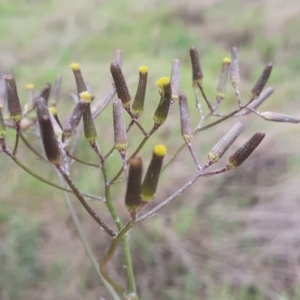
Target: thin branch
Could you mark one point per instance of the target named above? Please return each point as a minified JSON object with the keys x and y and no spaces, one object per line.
{"x":92,"y":213}
{"x":40,"y":178}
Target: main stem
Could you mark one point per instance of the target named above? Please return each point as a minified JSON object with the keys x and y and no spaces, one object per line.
{"x":131,"y":287}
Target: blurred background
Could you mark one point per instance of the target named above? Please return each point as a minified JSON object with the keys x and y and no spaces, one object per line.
{"x":231,"y":236}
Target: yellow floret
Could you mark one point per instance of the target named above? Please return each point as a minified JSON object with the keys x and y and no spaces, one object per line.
{"x":74,"y":66}
{"x":160,"y":150}
{"x":52,"y":110}
{"x":226,"y":60}
{"x":163,"y":81}
{"x":29,"y":86}
{"x":143,"y":69}
{"x":85,"y":96}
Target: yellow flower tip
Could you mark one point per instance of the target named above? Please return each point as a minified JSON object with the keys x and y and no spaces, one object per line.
{"x":163,"y":81}
{"x":52,"y":110}
{"x":143,"y":69}
{"x":160,"y":150}
{"x":29,"y":86}
{"x":226,"y":60}
{"x":85,"y":96}
{"x":74,"y":66}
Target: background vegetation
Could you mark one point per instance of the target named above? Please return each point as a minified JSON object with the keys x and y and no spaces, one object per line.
{"x":230,"y":237}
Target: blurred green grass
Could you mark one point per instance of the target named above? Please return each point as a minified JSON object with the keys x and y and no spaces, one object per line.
{"x":38,"y":41}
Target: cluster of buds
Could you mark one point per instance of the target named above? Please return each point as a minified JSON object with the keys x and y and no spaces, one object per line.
{"x":140,"y":193}
{"x":56,"y":137}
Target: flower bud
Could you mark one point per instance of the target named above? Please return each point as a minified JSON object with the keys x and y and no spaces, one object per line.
{"x":162,"y":110}
{"x":225,"y":142}
{"x":2,"y":92}
{"x":236,"y":159}
{"x":150,"y":182}
{"x":261,"y":98}
{"x":139,"y":99}
{"x":81,"y":86}
{"x":133,"y":192}
{"x":90,"y":131}
{"x":121,"y":141}
{"x":2,"y":126}
{"x":75,"y":117}
{"x":196,"y":67}
{"x":13,"y":102}
{"x":234,"y":68}
{"x":120,"y":84}
{"x":49,"y":139}
{"x":221,"y":88}
{"x":175,"y":79}
{"x":185,"y":120}
{"x":277,"y":117}
{"x":56,"y":123}
{"x":261,"y":82}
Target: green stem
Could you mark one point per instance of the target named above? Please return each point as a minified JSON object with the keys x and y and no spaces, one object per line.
{"x":130,"y":292}
{"x":87,"y":246}
{"x":131,"y":287}
{"x":80,"y":160}
{"x":17,"y":138}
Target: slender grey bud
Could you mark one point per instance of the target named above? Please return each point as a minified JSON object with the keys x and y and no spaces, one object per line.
{"x":225,"y":142}
{"x":185,"y":120}
{"x":121,"y":141}
{"x":81,"y":86}
{"x":50,"y":142}
{"x":234,"y":68}
{"x":74,"y":119}
{"x":196,"y":67}
{"x":221,"y":88}
{"x":277,"y":117}
{"x":261,"y":82}
{"x":120,"y":84}
{"x":174,"y":78}
{"x":236,"y":159}
{"x":13,"y":102}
